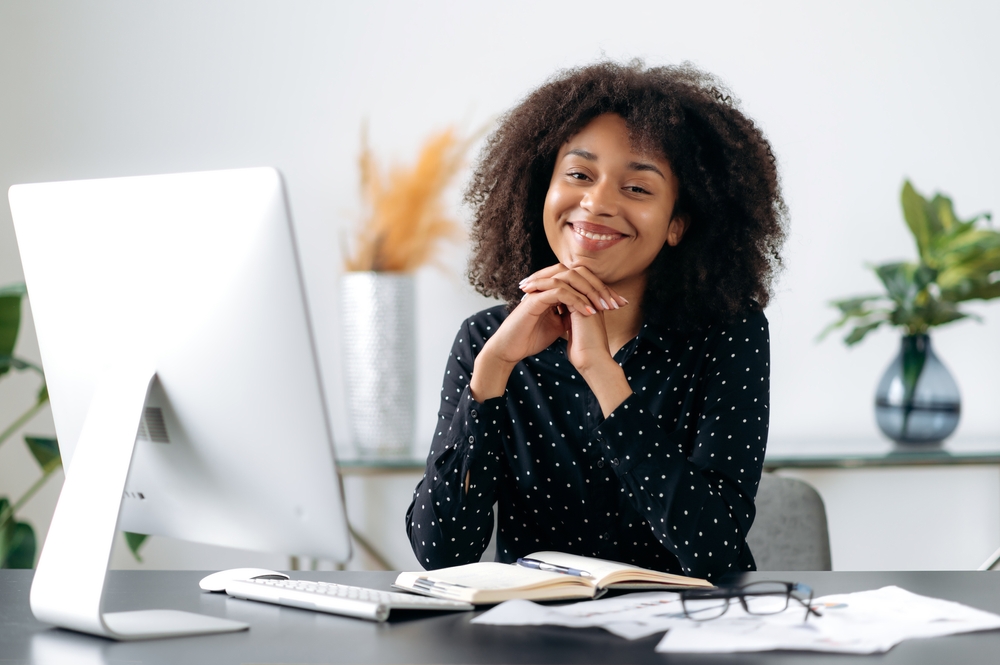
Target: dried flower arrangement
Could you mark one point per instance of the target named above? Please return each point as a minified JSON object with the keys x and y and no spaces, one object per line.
{"x":404,"y":214}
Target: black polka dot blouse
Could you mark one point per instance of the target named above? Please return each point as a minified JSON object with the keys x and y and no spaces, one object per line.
{"x":667,"y":481}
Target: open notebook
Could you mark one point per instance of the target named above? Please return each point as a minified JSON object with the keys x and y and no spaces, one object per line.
{"x":539,"y":576}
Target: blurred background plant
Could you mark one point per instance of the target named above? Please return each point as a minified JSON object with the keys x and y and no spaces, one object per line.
{"x":404,"y":218}
{"x":405,"y":215}
{"x":959,"y":260}
{"x":18,"y":544}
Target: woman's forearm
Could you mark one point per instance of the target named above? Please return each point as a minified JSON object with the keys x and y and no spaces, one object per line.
{"x":608,"y":383}
{"x":489,"y":376}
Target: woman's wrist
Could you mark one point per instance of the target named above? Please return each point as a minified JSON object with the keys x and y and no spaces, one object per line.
{"x":608,"y":383}
{"x":489,"y":376}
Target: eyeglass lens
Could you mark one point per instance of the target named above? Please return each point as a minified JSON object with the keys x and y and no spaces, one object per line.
{"x":765,"y":597}
{"x":759,"y":598}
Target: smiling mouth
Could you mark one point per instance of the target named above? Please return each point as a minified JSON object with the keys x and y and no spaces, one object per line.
{"x":596,"y":232}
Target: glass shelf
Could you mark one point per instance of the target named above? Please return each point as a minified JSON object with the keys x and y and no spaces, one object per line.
{"x":832,"y":454}
{"x":361,"y":466}
{"x":868,"y":453}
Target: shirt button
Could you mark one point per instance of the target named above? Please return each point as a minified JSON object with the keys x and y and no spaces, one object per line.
{"x":614,"y":460}
{"x":600,"y":464}
{"x":472,"y":439}
{"x":474,"y":413}
{"x":600,"y":439}
{"x":606,"y":536}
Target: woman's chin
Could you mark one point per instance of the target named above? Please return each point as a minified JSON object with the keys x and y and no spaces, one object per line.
{"x":595,"y":265}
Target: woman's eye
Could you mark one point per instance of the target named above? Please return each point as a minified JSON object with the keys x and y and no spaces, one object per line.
{"x":576,"y":175}
{"x":635,"y":189}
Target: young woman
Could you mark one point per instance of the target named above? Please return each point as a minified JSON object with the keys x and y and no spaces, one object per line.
{"x":617,"y":405}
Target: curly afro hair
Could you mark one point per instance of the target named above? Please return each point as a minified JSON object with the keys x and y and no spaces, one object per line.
{"x":729,"y":188}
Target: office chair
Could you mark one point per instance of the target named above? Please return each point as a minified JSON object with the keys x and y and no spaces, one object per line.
{"x":790,"y":531}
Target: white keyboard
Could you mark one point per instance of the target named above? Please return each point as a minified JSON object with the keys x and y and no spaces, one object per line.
{"x":353,"y":601}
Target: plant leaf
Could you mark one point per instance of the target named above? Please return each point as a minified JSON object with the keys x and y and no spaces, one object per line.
{"x":21,"y":550}
{"x":10,"y":322}
{"x":859,"y":332}
{"x":923,"y":276}
{"x":976,"y":270}
{"x":916,"y":212}
{"x":942,"y":312}
{"x":959,"y":245}
{"x":943,"y":210}
{"x":134,"y":542}
{"x":17,"y":540}
{"x":855,"y":306}
{"x":5,"y":528}
{"x":45,"y":449}
{"x":970,"y":290}
{"x":898,"y":279}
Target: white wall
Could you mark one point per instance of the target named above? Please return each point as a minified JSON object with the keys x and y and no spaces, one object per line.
{"x":855,"y":96}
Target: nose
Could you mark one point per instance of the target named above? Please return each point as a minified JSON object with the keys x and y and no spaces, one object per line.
{"x":601,"y":199}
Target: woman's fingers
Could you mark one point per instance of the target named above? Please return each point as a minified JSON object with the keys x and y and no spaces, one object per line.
{"x":609,"y":297}
{"x":580,"y":279}
{"x":605,"y":297}
{"x":619,"y":299}
{"x":543,"y":273}
{"x":559,"y":295}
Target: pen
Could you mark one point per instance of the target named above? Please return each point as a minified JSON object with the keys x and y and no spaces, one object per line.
{"x":428,"y":585}
{"x":551,"y":567}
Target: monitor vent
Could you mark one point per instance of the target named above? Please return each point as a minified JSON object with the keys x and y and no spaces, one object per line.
{"x":143,"y":433}
{"x":153,"y":424}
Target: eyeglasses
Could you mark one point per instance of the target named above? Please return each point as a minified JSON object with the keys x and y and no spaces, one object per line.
{"x":759,"y":598}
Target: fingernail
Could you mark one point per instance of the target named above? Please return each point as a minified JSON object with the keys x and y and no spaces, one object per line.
{"x":604,"y":304}
{"x":623,"y":298}
{"x":521,"y":283}
{"x":591,"y":309}
{"x":614,"y":304}
{"x":524,"y":296}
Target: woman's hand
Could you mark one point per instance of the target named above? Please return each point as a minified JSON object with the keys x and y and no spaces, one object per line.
{"x":587,"y":335}
{"x":540,"y":319}
{"x":557,"y":299}
{"x":588,"y":346}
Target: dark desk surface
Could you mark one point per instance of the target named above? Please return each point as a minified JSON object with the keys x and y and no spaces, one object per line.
{"x":286,"y":635}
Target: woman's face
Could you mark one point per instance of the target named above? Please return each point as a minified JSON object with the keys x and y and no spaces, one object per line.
{"x":609,"y":208}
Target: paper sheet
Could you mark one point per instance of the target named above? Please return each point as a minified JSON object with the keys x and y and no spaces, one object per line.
{"x":862,"y":622}
{"x":630,"y":616}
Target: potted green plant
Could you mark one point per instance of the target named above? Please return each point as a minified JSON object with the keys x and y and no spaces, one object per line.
{"x":917,"y":401}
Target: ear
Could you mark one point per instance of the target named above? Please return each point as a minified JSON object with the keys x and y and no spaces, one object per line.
{"x":676,"y":228}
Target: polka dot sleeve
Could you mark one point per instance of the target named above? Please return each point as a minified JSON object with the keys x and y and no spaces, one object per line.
{"x":448,"y":526}
{"x":696,"y":492}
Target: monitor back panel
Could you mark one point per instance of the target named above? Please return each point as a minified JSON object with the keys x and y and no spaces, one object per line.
{"x":199,"y":273}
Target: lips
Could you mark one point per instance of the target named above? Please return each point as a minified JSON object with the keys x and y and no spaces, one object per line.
{"x":595,"y":236}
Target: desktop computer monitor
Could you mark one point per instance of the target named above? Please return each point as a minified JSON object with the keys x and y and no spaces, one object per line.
{"x":174,"y":334}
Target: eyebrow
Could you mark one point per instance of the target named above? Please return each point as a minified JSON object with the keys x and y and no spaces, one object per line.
{"x":632,"y":166}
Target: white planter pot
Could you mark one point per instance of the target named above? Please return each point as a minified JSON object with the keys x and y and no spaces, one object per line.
{"x":379,"y":360}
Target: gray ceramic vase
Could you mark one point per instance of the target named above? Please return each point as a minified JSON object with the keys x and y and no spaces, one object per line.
{"x":917,"y":401}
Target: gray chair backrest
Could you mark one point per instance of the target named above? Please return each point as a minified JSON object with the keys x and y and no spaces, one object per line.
{"x":790,"y":531}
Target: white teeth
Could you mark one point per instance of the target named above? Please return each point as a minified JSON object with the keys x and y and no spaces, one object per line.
{"x":594,"y":236}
